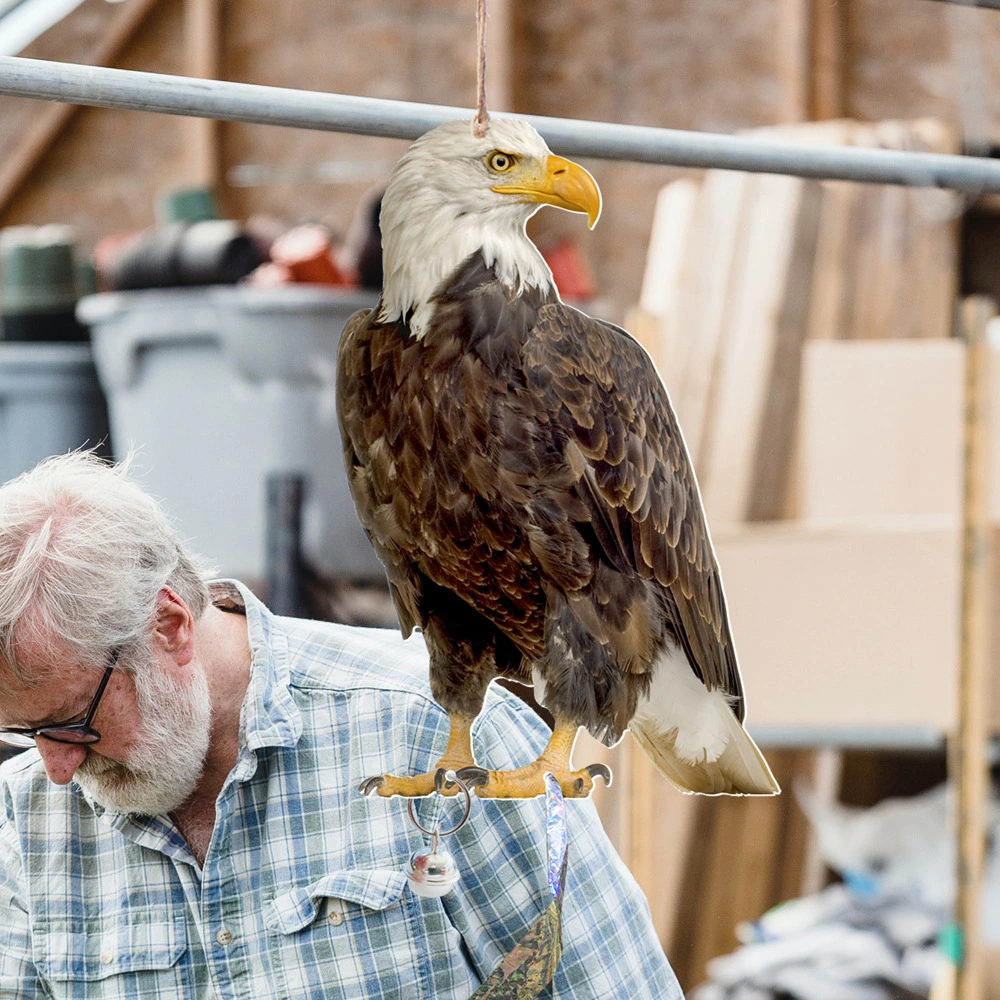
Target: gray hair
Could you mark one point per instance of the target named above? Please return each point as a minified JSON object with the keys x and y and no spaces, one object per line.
{"x":84,"y":552}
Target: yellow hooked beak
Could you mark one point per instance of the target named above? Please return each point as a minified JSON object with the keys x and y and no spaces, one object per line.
{"x":559,"y":182}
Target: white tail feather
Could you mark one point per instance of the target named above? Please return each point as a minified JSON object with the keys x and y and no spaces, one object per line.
{"x":739,"y":770}
{"x":693,"y":737}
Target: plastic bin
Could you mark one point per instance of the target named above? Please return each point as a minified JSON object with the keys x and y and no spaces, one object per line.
{"x":216,"y":388}
{"x":50,"y":403}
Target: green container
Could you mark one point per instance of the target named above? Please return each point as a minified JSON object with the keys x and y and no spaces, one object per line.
{"x":39,"y":284}
{"x":195,"y":204}
{"x":37,"y":270}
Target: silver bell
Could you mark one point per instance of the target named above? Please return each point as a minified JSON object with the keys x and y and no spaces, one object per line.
{"x":432,"y":871}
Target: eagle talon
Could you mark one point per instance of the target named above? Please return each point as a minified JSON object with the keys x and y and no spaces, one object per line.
{"x":599,"y":771}
{"x":370,"y":785}
{"x":473,"y":776}
{"x":441,"y":783}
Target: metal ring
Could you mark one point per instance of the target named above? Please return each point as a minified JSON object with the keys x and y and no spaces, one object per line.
{"x":456,"y":780}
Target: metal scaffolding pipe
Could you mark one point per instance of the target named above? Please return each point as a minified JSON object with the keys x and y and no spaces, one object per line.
{"x":994,"y":4}
{"x":244,"y":102}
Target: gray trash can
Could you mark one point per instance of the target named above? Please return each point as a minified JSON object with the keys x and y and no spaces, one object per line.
{"x":217,"y":388}
{"x":50,"y":403}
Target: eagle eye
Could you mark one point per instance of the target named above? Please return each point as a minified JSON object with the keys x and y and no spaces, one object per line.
{"x":500,"y":162}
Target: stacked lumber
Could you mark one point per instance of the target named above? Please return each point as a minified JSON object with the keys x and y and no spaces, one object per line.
{"x":743,"y":269}
{"x":751,"y":282}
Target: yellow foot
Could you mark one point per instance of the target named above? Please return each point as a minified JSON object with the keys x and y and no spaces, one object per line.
{"x":413,"y":787}
{"x":527,"y":782}
{"x":457,"y":755}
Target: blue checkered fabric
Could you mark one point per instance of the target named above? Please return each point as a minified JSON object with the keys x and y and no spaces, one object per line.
{"x":302,"y":892}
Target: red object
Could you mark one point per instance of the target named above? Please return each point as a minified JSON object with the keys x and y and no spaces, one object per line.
{"x":307,"y":252}
{"x":106,"y":251}
{"x":270,"y":275}
{"x":569,"y":270}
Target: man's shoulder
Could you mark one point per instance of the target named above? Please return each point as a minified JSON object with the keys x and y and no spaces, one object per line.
{"x":334,"y":657}
{"x":369,"y":664}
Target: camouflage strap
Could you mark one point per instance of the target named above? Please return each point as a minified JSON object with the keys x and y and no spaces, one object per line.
{"x":530,"y":965}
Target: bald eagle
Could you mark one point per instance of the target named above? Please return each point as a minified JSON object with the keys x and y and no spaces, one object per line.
{"x":521,"y":474}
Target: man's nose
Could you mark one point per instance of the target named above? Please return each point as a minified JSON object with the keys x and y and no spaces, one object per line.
{"x":60,"y":759}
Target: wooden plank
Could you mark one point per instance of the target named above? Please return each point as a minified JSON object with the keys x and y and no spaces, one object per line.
{"x":746,"y":857}
{"x":203,"y":39}
{"x":663,"y":285}
{"x":824,"y":783}
{"x":53,"y":118}
{"x":772,"y":468}
{"x":648,"y":330}
{"x":969,"y":762}
{"x":499,"y":55}
{"x":746,"y":361}
{"x":723,"y":215}
{"x":793,"y":44}
{"x":826,"y":91}
{"x":709,"y":925}
{"x":863,"y":203}
{"x":827,"y":319}
{"x":934,"y":222}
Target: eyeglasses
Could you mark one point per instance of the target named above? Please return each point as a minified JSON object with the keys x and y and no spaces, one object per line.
{"x":65,"y":732}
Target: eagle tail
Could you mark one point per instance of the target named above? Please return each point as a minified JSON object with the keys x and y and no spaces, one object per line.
{"x":740,"y":769}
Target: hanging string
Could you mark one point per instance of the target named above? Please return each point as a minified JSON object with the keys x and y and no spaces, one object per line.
{"x":482,"y":120}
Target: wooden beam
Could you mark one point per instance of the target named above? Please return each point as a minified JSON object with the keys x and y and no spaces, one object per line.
{"x":826,"y":30}
{"x":53,"y":118}
{"x":500,"y":55}
{"x":203,"y":38}
{"x":792,"y":39}
{"x":969,"y":749}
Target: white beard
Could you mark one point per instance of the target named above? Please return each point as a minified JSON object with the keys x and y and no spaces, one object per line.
{"x":164,"y":768}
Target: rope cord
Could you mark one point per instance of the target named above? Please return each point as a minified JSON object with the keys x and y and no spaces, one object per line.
{"x":482,"y":120}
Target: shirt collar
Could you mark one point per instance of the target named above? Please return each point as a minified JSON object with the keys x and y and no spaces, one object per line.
{"x":269,"y":717}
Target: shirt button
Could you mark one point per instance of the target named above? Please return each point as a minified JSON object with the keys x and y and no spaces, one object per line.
{"x":335,"y":916}
{"x":224,"y":937}
{"x":107,"y":957}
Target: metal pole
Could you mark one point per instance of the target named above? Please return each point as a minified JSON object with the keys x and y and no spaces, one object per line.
{"x":178,"y":95}
{"x":285,"y":494}
{"x":995,"y":4}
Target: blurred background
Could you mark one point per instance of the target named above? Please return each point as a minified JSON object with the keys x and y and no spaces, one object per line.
{"x":175,"y":287}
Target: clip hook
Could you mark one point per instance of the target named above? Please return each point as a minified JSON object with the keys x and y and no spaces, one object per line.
{"x":432,"y":871}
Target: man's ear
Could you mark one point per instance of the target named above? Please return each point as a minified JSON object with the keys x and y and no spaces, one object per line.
{"x":174,"y":628}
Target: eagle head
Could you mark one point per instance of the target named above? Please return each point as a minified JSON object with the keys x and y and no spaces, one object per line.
{"x":453,"y":193}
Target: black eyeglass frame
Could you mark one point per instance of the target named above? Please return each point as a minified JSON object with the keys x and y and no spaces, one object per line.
{"x":76,"y":733}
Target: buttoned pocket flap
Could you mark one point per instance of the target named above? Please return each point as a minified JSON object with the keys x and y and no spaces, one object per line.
{"x":372,"y":888}
{"x":64,"y":954}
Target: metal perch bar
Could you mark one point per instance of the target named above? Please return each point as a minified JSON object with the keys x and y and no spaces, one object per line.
{"x":244,"y":102}
{"x":993,"y":4}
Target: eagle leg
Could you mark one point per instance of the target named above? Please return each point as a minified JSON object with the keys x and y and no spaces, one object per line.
{"x":527,"y":782}
{"x":457,"y":757}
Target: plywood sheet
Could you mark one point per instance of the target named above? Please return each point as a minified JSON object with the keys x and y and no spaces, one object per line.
{"x":747,"y":355}
{"x":881,"y":429}
{"x":846,"y":627}
{"x":722,"y":217}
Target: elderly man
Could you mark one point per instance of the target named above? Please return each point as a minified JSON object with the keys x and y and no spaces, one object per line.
{"x":188,"y":822}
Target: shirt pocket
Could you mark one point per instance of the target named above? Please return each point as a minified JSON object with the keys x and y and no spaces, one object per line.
{"x":112,"y":959}
{"x":351,"y":933}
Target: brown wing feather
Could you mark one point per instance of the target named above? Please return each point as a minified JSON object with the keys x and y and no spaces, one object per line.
{"x":371,"y":473}
{"x":635,"y":477}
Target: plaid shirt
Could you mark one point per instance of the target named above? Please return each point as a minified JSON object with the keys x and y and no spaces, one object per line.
{"x":302,"y":893}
